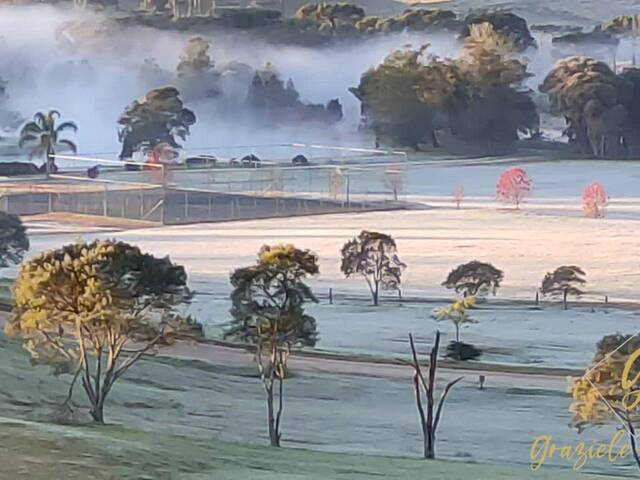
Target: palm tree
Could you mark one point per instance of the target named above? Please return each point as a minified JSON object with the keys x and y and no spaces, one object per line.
{"x":42,"y":134}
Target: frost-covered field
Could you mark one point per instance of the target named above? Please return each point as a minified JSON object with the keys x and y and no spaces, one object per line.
{"x":525,"y":244}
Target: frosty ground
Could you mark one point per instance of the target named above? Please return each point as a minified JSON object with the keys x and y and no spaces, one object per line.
{"x":172,"y":418}
{"x":357,"y":407}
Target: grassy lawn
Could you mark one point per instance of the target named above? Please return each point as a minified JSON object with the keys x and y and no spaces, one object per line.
{"x":44,"y":451}
{"x":167,"y":418}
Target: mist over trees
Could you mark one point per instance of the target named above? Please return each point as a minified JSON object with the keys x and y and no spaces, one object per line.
{"x":159,"y":117}
{"x":276,"y":101}
{"x":506,"y":24}
{"x":44,"y":137}
{"x":480,"y":99}
{"x":601,"y":107}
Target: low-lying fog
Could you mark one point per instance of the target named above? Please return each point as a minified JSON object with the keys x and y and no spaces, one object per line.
{"x":91,"y":76}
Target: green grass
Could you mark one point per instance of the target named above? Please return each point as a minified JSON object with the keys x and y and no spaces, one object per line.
{"x":157,"y":400}
{"x":44,"y":451}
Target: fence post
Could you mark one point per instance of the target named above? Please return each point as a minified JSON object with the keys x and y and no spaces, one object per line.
{"x":330,"y":296}
{"x":348,"y":191}
{"x":163,"y":206}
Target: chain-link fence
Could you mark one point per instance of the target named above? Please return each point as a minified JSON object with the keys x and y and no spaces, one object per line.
{"x":198,"y":191}
{"x":175,"y":206}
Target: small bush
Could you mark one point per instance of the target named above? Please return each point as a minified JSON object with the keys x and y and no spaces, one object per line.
{"x":462,"y":351}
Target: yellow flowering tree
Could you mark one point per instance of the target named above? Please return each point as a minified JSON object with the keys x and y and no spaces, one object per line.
{"x":95,"y":309}
{"x":609,"y":389}
{"x":268,"y":301}
{"x":456,"y":313}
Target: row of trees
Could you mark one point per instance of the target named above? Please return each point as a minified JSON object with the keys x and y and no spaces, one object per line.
{"x":269,"y":299}
{"x":268,"y":312}
{"x":514,"y":185}
{"x":95,"y":309}
{"x":415,"y":99}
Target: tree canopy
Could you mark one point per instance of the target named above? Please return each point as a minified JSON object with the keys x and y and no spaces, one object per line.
{"x":374,"y":256}
{"x":77,"y":308}
{"x":507,"y":24}
{"x":608,"y":390}
{"x":279,"y":101}
{"x":197,"y":75}
{"x":564,"y":281}
{"x":159,"y":117}
{"x":601,"y":107}
{"x":456,"y":313}
{"x":43,"y":136}
{"x":474,"y":279}
{"x":479,"y":98}
{"x":269,"y":297}
{"x":13,"y":240}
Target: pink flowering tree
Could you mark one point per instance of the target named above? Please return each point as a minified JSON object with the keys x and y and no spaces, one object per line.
{"x":513,"y":186}
{"x":594,"y":200}
{"x":458,"y":195}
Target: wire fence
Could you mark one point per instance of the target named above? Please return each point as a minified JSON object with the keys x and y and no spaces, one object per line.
{"x":215,"y":187}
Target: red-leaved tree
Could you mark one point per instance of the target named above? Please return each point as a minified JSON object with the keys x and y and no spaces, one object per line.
{"x":513,"y":185}
{"x":594,"y":200}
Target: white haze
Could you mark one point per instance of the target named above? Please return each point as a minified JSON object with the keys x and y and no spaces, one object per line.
{"x":34,"y":64}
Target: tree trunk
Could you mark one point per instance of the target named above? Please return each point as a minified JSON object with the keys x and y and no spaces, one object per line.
{"x":632,"y":439}
{"x":97,"y":412}
{"x":375,"y":289}
{"x":273,"y":434}
{"x":564,"y":299}
{"x":49,"y":161}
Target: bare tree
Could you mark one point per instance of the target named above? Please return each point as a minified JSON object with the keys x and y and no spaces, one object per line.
{"x":431,"y":415}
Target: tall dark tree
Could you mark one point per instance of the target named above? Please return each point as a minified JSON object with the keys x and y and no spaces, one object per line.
{"x":474,"y":279}
{"x":564,"y":281}
{"x":374,"y":256}
{"x":268,"y":310}
{"x":42,"y":135}
{"x":13,"y":240}
{"x":159,"y":117}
